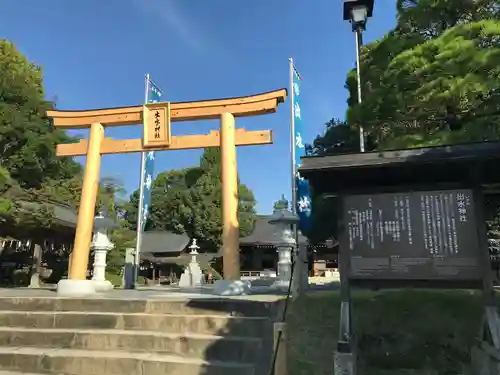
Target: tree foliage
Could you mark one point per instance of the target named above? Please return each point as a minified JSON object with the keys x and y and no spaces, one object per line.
{"x":432,"y":80}
{"x":337,"y":138}
{"x":5,"y":200}
{"x":110,"y":197}
{"x":30,"y":171}
{"x":27,"y":140}
{"x":189,"y":201}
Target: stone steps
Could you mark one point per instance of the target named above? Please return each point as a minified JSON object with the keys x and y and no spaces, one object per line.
{"x":86,"y":362}
{"x":17,"y":373}
{"x":202,"y":324}
{"x":209,"y":347}
{"x":134,"y":337}
{"x":210,"y":306}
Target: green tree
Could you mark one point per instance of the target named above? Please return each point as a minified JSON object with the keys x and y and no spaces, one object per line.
{"x":431,"y":80}
{"x":27,"y":140}
{"x":337,"y":138}
{"x":5,"y":200}
{"x":110,"y":196}
{"x":324,"y":216}
{"x":29,"y":168}
{"x":428,"y":19}
{"x":434,"y":78}
{"x":170,"y":193}
{"x":189,"y":201}
{"x":282,"y":203}
{"x":443,"y":91}
{"x":110,"y":202}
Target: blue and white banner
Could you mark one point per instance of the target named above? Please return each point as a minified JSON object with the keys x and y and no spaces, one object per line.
{"x":301,"y":185}
{"x":153,"y":95}
{"x":147,"y":182}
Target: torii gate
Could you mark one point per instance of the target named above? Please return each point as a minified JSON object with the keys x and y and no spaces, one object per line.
{"x":156,"y":118}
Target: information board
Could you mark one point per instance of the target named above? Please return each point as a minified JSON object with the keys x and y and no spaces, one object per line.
{"x":429,"y":235}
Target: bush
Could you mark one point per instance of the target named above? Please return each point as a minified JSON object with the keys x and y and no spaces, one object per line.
{"x":114,"y":279}
{"x":395,"y":330}
{"x":21,"y":277}
{"x":117,"y":280}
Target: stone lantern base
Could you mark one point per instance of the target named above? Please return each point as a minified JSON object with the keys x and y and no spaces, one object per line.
{"x":231,"y":288}
{"x":282,"y":285}
{"x":102,"y":285}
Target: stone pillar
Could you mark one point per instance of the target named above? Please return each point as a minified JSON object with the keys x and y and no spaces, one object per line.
{"x":286,"y":244}
{"x":300,"y":282}
{"x":101,"y":245}
{"x":192,"y":277}
{"x":284,"y":249}
{"x":129,"y":272}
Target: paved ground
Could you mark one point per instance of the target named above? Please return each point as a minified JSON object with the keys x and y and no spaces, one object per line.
{"x":139,"y":294}
{"x":162,"y":292}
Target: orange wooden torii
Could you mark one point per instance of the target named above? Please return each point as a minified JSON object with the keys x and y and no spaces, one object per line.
{"x":156,"y":119}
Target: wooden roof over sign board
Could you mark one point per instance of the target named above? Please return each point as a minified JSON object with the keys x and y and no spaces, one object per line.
{"x":410,"y":167}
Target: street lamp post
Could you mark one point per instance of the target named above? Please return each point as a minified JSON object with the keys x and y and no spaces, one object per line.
{"x":357,"y":13}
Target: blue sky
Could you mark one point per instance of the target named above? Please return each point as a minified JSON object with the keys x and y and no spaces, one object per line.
{"x":95,"y":54}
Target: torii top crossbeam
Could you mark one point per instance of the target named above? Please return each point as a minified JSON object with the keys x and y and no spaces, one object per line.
{"x":183,"y":111}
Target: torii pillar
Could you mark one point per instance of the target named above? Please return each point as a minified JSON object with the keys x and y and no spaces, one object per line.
{"x":156,"y":118}
{"x":229,"y":178}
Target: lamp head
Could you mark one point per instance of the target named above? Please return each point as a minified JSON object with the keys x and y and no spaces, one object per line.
{"x":357,"y":12}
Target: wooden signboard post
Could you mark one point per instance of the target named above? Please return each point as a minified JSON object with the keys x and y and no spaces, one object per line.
{"x":156,"y":119}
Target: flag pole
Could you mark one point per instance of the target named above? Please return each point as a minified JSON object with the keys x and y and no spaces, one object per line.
{"x":295,"y":227}
{"x":292,"y":142}
{"x":140,"y":214}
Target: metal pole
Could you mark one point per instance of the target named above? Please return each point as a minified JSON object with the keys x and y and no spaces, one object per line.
{"x":140,"y":214}
{"x":359,"y":44}
{"x":292,"y":140}
{"x":295,"y":227}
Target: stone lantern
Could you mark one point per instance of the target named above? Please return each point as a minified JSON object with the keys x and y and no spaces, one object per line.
{"x":101,"y":245}
{"x":192,"y":277}
{"x":283,"y":219}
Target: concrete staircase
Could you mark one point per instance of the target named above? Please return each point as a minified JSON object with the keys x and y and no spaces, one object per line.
{"x":135,"y":337}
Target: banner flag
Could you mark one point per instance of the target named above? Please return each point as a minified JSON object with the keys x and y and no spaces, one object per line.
{"x":302,"y":191}
{"x":153,"y":95}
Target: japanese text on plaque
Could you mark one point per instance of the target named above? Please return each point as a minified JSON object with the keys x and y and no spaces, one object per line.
{"x":441,"y":213}
{"x":157,"y":124}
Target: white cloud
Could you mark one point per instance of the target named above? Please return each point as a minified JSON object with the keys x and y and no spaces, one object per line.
{"x":171,"y":16}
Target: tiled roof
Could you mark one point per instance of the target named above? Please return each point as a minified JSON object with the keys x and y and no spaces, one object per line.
{"x":161,"y":241}
{"x":265,"y":233}
{"x":64,"y":215}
